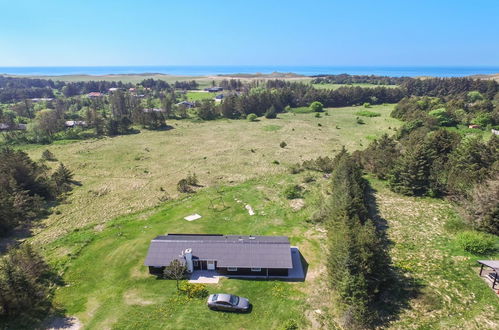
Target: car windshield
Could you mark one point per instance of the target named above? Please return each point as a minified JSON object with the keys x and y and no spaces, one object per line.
{"x":234,"y":300}
{"x":214,"y":298}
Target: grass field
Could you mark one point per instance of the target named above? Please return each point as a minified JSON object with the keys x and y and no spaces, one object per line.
{"x":99,"y":237}
{"x":201,"y":95}
{"x":107,"y":284}
{"x":125,"y":174}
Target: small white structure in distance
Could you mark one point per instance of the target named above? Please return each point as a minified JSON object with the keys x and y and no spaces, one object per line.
{"x":192,"y":217}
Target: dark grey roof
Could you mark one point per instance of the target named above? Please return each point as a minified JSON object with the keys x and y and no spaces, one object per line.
{"x":228,"y":251}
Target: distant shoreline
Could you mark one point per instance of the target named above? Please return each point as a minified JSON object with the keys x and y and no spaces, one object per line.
{"x":250,"y":71}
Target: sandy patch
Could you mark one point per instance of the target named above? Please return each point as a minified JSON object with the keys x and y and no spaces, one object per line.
{"x":297,"y":204}
{"x":132,"y":297}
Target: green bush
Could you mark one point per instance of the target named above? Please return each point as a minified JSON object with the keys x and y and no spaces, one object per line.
{"x":194,"y":290}
{"x":293,"y":192}
{"x":251,"y":117}
{"x":367,"y":105}
{"x":316,"y":107}
{"x":476,"y":242}
{"x":367,"y":113}
{"x":283,"y":144}
{"x":290,"y":325}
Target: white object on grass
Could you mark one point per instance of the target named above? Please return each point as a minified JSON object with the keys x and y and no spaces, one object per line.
{"x":250,"y":210}
{"x":192,"y":217}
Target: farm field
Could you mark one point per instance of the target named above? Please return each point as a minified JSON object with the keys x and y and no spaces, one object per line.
{"x":125,"y":174}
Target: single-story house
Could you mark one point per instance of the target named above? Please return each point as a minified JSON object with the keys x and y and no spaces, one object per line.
{"x":149,"y":110}
{"x":494,"y":131}
{"x":113,"y":89}
{"x":95,"y":94}
{"x":473,"y":126}
{"x":256,"y":256}
{"x":214,"y":89}
{"x":4,"y":127}
{"x":186,"y":104}
{"x":41,"y":99}
{"x":75,"y":123}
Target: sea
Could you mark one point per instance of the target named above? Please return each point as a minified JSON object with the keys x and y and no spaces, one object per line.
{"x":206,"y":70}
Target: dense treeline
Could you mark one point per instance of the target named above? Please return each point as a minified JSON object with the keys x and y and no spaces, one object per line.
{"x":152,"y":102}
{"x":425,"y":158}
{"x":26,"y":187}
{"x":26,"y":287}
{"x":358,"y":79}
{"x":358,"y":263}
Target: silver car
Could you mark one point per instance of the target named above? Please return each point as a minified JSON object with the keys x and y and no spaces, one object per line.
{"x":228,"y":302}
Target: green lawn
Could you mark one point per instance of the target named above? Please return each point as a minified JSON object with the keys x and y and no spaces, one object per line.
{"x":107,"y":285}
{"x":200,"y":95}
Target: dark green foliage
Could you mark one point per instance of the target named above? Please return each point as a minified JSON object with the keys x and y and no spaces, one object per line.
{"x":380,"y":156}
{"x":320,"y":164}
{"x":26,"y":285}
{"x":62,"y":179}
{"x":293,"y":192}
{"x":476,"y":242}
{"x":25,"y":186}
{"x":184,"y":187}
{"x":411,"y":175}
{"x":48,"y":156}
{"x":271,"y":113}
{"x":358,"y":263}
{"x":367,"y":113}
{"x":251,"y":117}
{"x":207,"y":110}
{"x":472,"y":162}
{"x":317,"y":107}
{"x":481,"y":207}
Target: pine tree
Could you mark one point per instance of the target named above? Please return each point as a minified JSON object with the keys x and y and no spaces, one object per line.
{"x":62,"y":179}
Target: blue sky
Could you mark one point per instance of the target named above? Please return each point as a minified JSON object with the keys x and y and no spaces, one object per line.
{"x":313,"y":32}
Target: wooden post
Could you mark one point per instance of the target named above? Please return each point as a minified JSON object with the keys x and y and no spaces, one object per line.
{"x":481,"y":269}
{"x":495,"y":279}
{"x":267,"y":273}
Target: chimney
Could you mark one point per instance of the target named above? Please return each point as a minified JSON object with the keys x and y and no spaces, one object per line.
{"x":188,"y":260}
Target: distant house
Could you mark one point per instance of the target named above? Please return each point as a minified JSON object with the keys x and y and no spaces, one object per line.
{"x":474,"y":126}
{"x":214,"y":89}
{"x":75,"y":123}
{"x":494,"y":131}
{"x":95,"y":94}
{"x":231,"y":255}
{"x":41,"y":99}
{"x":149,"y":110}
{"x":113,"y":89}
{"x":186,"y":104}
{"x":9,"y":127}
{"x":131,"y":89}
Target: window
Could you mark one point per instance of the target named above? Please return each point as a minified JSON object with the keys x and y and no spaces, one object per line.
{"x":256,"y":269}
{"x":232,"y":269}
